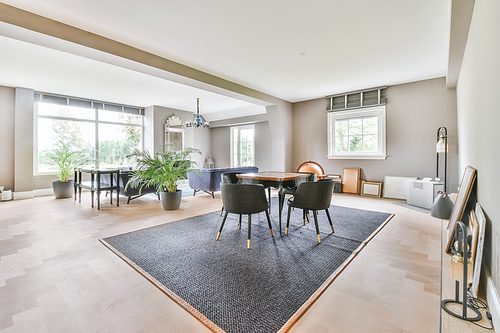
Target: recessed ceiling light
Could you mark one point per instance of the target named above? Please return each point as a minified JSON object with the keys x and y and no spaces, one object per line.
{"x":302,"y":54}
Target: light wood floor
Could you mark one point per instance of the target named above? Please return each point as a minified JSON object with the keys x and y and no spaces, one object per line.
{"x":55,"y":276}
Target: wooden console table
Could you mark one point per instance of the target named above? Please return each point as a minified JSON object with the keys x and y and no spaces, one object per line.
{"x":96,"y":185}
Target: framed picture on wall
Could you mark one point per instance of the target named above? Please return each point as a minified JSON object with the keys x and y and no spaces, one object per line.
{"x":474,"y":232}
{"x":457,"y":213}
{"x":350,"y":180}
{"x":481,"y":221}
{"x":371,"y":188}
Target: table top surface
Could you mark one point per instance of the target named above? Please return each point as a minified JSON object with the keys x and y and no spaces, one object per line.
{"x":277,"y":176}
{"x":98,"y":170}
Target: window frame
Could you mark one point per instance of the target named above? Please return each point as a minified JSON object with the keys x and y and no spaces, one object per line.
{"x":94,"y":121}
{"x":241,"y":127}
{"x":379,"y":111}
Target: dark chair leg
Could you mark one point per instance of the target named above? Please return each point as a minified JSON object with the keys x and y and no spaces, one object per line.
{"x":316,"y":223}
{"x":239,"y":225}
{"x":304,"y":216}
{"x":329,"y":219}
{"x":128,"y":201}
{"x":221,"y":210}
{"x":288,"y":219}
{"x":249,"y":229}
{"x":269,"y":222}
{"x":222,"y":225}
{"x":269,"y":194}
{"x":194,"y":192}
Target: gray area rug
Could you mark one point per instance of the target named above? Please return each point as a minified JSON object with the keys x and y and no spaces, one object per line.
{"x":231,"y":288}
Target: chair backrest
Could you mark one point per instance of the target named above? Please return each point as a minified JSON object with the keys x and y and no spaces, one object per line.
{"x":243,"y":198}
{"x":311,"y":166}
{"x":293,"y":183}
{"x":230,"y":177}
{"x":314,"y":195}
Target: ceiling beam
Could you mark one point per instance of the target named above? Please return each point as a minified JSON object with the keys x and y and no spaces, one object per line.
{"x":176,"y":72}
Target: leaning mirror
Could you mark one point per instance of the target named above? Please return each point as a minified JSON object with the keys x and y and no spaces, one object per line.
{"x":174,"y":134}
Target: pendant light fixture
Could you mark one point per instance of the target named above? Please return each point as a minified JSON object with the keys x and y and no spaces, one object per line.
{"x":197,"y":122}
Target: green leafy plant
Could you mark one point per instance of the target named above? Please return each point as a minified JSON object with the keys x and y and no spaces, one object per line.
{"x":66,"y":160}
{"x":161,"y":170}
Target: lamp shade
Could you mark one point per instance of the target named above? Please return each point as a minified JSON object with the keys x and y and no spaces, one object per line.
{"x":442,"y":206}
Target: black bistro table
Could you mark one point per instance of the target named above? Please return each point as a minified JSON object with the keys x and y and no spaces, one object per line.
{"x":97,"y":184}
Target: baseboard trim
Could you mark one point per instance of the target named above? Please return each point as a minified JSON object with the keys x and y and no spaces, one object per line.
{"x":44,"y":192}
{"x":493,"y":301}
{"x":23,"y":195}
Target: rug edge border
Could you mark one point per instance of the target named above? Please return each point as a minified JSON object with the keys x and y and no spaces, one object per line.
{"x":180,"y":301}
{"x":314,"y":297}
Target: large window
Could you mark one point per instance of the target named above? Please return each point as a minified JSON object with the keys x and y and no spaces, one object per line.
{"x":243,"y":145}
{"x":357,"y":133}
{"x":105,"y":135}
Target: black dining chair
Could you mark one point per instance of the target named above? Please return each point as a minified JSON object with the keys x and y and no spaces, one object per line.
{"x":313,"y":196}
{"x":244,"y":199}
{"x":290,"y":187}
{"x":230,"y":178}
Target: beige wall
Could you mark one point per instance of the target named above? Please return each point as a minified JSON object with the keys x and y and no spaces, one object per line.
{"x":414,"y":113}
{"x":479,"y":119}
{"x":7,"y":105}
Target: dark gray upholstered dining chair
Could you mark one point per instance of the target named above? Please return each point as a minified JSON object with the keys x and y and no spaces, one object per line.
{"x":313,"y":196}
{"x":230,"y":178}
{"x":290,"y":187}
{"x":244,"y":199}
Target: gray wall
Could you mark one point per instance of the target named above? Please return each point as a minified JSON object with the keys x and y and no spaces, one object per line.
{"x":154,"y":135}
{"x":414,"y":113}
{"x":479,"y":119}
{"x":263,"y":150}
{"x":23,"y":140}
{"x":221,"y":148}
{"x":7,"y":106}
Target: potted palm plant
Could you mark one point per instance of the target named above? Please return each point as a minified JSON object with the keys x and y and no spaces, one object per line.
{"x":162,"y":170}
{"x":65,"y":161}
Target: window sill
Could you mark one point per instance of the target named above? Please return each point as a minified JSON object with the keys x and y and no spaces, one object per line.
{"x":357,"y":157}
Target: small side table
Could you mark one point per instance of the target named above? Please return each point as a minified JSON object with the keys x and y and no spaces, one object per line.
{"x":95,"y":185}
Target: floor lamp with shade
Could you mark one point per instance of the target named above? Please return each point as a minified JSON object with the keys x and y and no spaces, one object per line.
{"x":442,"y":147}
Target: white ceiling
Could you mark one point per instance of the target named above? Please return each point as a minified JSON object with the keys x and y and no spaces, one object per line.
{"x":292,"y":49}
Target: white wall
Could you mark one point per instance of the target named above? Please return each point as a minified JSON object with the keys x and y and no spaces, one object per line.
{"x":479,"y":119}
{"x":414,"y":113}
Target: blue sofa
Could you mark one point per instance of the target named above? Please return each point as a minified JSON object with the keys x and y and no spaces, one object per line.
{"x":208,"y":180}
